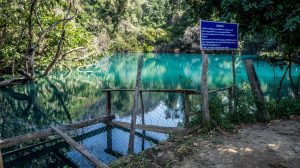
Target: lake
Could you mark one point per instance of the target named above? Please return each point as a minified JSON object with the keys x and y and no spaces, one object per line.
{"x":67,"y":97}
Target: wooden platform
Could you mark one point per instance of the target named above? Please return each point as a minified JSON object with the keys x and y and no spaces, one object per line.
{"x":152,"y":128}
{"x":47,"y":132}
{"x":80,"y":149}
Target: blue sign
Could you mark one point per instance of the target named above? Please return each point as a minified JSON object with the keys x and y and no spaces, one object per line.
{"x":218,"y":35}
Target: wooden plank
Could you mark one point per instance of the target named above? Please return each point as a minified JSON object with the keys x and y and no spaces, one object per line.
{"x":80,"y":149}
{"x":141,"y":135}
{"x":47,"y":132}
{"x":153,"y":128}
{"x":256,"y":90}
{"x":47,"y":149}
{"x":219,"y":90}
{"x":204,"y":89}
{"x":185,"y":91}
{"x":189,"y":91}
{"x":134,"y":109}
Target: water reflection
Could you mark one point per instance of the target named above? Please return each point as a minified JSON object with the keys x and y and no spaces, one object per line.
{"x":64,"y":98}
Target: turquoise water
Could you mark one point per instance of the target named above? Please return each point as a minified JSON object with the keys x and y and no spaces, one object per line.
{"x":68,"y":97}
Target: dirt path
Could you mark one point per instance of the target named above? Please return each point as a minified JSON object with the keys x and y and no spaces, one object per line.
{"x":274,"y":145}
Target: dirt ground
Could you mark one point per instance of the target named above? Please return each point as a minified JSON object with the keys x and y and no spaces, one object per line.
{"x":273,"y":145}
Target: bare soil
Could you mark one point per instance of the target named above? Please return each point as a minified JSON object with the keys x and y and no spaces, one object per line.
{"x":273,"y":145}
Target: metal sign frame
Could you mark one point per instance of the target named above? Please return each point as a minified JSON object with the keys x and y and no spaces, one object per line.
{"x":219,"y":48}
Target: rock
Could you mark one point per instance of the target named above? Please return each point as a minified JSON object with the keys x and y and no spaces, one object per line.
{"x":196,"y":144}
{"x":160,"y":154}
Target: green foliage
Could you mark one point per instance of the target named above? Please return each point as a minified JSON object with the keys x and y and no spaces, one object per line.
{"x":284,"y":108}
{"x":137,"y":26}
{"x":227,"y":114}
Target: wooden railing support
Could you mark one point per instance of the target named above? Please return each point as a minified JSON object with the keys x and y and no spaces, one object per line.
{"x":47,"y":132}
{"x":204,"y":89}
{"x":142,"y":107}
{"x":187,"y":110}
{"x":134,"y":109}
{"x":152,"y":128}
{"x":80,"y":149}
{"x":108,"y":103}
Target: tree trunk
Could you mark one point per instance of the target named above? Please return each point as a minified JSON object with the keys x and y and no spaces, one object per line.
{"x":31,"y":48}
{"x":293,"y":85}
{"x":58,"y":51}
{"x":204,"y":89}
{"x":297,"y":86}
{"x":280,"y":83}
{"x":134,"y":109}
{"x":61,"y":41}
{"x":256,"y":91}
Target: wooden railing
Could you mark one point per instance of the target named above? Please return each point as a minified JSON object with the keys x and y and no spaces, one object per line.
{"x":5,"y":143}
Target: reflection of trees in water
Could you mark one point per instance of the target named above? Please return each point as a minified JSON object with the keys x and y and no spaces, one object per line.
{"x":34,"y":106}
{"x":64,"y":98}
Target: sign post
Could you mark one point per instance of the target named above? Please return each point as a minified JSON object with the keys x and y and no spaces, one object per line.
{"x":215,"y":36}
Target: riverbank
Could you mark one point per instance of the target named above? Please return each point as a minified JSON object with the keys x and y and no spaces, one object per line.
{"x":276,"y":144}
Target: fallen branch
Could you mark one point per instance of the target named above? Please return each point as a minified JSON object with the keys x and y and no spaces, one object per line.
{"x":14,"y":81}
{"x":69,"y":52}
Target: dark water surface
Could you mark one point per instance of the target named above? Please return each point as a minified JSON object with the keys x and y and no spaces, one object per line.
{"x":68,"y":97}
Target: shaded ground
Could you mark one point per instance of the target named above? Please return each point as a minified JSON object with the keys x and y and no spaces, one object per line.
{"x":274,"y":145}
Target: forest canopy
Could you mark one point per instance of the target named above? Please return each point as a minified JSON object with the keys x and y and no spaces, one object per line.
{"x":38,"y":35}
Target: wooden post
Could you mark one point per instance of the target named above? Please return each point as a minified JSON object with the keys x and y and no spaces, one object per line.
{"x":108,"y":125}
{"x":204,"y":89}
{"x":1,"y":160}
{"x":80,"y":149}
{"x":142,"y":107}
{"x":143,"y":118}
{"x":134,"y":109}
{"x":187,"y":110}
{"x":256,"y":90}
{"x":233,"y":74}
{"x":108,"y":103}
{"x":109,"y":137}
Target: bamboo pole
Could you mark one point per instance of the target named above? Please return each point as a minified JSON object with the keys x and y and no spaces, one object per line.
{"x":47,"y":132}
{"x":134,"y":109}
{"x":204,"y":89}
{"x":80,"y":149}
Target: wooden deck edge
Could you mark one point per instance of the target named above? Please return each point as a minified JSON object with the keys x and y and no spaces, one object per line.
{"x":47,"y":132}
{"x":80,"y":149}
{"x":153,"y":128}
{"x":184,"y":91}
